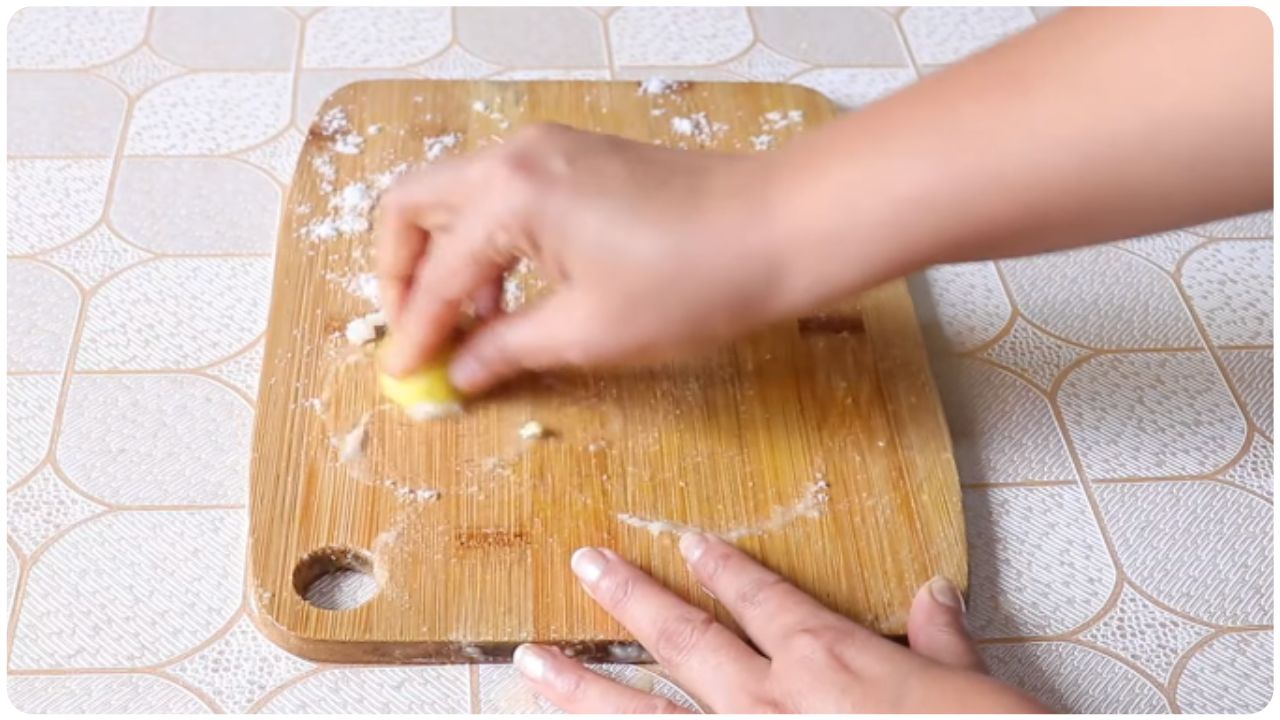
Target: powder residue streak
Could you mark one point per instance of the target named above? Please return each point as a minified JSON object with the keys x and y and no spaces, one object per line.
{"x":809,"y":506}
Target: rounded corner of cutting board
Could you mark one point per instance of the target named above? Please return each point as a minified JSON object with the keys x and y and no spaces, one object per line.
{"x":816,"y":96}
{"x":274,"y":629}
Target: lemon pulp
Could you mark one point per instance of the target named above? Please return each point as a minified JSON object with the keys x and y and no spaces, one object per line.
{"x":424,"y":393}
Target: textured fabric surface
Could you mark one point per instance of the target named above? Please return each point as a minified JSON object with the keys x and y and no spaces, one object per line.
{"x":1112,"y":407}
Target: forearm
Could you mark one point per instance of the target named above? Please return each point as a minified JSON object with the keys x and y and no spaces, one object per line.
{"x":1098,"y":125}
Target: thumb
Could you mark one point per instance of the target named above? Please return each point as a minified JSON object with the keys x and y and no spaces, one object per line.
{"x":936,"y":629}
{"x":546,"y":334}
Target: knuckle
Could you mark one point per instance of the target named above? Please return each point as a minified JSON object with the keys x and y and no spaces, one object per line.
{"x":569,"y":686}
{"x":616,"y":590}
{"x":755,"y":593}
{"x":679,"y":636}
{"x":811,"y":642}
{"x":539,"y":134}
{"x":712,"y":563}
{"x":651,"y":705}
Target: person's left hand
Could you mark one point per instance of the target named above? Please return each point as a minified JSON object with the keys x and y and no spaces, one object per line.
{"x":809,"y":659}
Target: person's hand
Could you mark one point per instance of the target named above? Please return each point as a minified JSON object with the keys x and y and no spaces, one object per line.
{"x":650,"y":252}
{"x":805,"y":659}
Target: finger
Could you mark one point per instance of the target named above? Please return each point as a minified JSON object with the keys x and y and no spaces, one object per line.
{"x":769,"y":609}
{"x":936,"y":626}
{"x":702,"y":655}
{"x":553,"y":331}
{"x":447,"y":276}
{"x":573,"y":688}
{"x":487,"y":299}
{"x":413,"y":204}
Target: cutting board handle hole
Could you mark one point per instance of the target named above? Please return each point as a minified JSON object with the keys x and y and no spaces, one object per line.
{"x":336,"y":578}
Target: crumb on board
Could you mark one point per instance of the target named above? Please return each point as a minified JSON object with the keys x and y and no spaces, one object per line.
{"x":532,"y":430}
{"x":348,"y":144}
{"x":659,"y":86}
{"x":697,"y":126}
{"x":436,"y":146}
{"x":365,"y":329}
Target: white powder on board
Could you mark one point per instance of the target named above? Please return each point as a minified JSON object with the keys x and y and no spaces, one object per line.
{"x":417,"y":494}
{"x":422,"y":412}
{"x":809,"y":506}
{"x":762,"y":142}
{"x":777,"y":120}
{"x":351,"y":207}
{"x":348,"y":144}
{"x":658,"y":86}
{"x":334,"y":121}
{"x":697,"y":126}
{"x":435,"y":147}
{"x":532,"y":430}
{"x":350,"y":446}
{"x":365,"y":328}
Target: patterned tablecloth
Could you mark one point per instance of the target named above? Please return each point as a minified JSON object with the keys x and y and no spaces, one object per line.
{"x":1112,"y":407}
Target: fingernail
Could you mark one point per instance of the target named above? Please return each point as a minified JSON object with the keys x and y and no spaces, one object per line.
{"x":945,"y":592}
{"x":692,"y":544}
{"x":588,"y":564}
{"x":531,"y":661}
{"x":465,"y":373}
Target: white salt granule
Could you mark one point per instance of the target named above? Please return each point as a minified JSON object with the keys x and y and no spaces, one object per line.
{"x":480,"y":107}
{"x":658,"y":111}
{"x":762,"y":142}
{"x":532,"y":430}
{"x":373,"y":129}
{"x":437,"y":146}
{"x":364,"y":329}
{"x":658,"y":86}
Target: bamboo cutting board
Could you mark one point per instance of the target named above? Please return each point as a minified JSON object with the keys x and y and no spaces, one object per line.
{"x":818,"y":446}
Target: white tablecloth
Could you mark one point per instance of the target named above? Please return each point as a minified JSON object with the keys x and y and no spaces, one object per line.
{"x":1112,"y":407}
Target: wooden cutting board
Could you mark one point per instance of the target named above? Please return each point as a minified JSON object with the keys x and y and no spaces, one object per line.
{"x":818,"y":446}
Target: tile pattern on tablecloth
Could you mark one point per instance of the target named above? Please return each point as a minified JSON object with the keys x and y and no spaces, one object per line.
{"x":1117,"y":493}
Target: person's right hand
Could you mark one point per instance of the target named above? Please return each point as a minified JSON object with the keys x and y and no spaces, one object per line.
{"x":650,"y":252}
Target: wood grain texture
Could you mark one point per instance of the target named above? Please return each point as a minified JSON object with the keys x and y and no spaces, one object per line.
{"x":732,"y":443}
